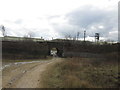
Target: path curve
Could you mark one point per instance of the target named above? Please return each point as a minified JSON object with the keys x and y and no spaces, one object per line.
{"x":26,"y":75}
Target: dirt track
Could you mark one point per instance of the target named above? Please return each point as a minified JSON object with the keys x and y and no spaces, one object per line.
{"x":25,"y":75}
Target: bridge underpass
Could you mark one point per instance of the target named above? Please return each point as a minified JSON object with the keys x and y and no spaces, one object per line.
{"x":58,"y":46}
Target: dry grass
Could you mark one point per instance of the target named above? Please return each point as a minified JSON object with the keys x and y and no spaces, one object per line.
{"x":83,"y":73}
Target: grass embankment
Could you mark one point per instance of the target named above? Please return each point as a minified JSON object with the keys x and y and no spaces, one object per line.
{"x":82,"y":73}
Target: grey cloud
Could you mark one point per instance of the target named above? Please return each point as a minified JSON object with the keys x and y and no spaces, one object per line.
{"x":86,"y":16}
{"x":66,"y":29}
{"x":89,"y":16}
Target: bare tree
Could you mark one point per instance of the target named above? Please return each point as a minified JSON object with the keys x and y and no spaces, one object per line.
{"x":74,"y":38}
{"x":29,"y":35}
{"x":3,"y":30}
{"x":68,"y":36}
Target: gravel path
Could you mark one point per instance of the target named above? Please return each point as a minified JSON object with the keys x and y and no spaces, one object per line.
{"x":25,"y":75}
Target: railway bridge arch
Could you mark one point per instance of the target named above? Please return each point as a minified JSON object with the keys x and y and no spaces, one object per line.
{"x":59,"y":46}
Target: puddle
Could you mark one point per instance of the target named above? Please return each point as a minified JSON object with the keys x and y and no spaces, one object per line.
{"x":18,"y":63}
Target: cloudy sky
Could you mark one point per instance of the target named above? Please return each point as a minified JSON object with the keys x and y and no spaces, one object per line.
{"x":59,"y":18}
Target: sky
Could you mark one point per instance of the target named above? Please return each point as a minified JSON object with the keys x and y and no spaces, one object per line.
{"x":60,"y":18}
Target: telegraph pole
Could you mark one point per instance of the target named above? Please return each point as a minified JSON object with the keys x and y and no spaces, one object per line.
{"x":84,"y":35}
{"x":78,"y":33}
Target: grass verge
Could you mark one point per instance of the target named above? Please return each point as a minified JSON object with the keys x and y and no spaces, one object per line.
{"x":82,"y":73}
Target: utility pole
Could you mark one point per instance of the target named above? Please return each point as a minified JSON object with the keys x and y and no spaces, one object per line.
{"x":78,"y":33}
{"x":84,"y":35}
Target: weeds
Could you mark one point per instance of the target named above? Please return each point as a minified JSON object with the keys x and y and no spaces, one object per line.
{"x":82,"y":73}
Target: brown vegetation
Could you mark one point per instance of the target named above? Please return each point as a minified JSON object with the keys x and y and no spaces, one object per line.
{"x":24,"y":50}
{"x":83,"y":73}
